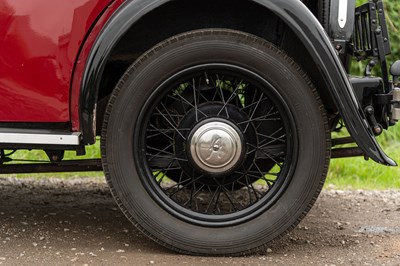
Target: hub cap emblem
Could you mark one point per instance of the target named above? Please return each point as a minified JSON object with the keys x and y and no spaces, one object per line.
{"x":216,"y":147}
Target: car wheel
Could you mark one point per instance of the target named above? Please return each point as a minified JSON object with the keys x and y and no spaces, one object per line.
{"x":215,"y":142}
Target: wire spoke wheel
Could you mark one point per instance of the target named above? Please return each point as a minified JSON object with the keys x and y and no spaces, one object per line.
{"x":218,"y":143}
{"x":215,"y":142}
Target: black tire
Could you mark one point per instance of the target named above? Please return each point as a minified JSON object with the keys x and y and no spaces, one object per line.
{"x":161,"y":78}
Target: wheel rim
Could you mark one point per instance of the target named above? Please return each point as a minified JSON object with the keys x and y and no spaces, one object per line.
{"x":218,"y":145}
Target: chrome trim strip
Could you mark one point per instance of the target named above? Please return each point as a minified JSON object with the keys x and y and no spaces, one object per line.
{"x":37,"y":138}
{"x":342,"y":16}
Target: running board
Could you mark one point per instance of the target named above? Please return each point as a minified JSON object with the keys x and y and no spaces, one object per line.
{"x":39,"y":137}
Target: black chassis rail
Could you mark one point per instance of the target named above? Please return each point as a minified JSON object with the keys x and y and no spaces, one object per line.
{"x":294,"y":13}
{"x":85,"y":165}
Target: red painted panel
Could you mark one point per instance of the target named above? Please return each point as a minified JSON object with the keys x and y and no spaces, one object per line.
{"x":39,"y":44}
{"x":81,"y":63}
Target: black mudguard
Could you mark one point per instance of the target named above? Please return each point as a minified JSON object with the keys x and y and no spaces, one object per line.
{"x":294,"y":13}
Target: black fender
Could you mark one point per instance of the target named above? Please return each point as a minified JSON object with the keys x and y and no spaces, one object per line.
{"x":293,"y":12}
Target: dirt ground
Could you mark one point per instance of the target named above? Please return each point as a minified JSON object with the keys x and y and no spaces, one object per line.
{"x":76,"y":222}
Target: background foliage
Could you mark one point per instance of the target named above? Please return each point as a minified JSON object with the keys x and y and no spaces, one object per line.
{"x":356,"y":172}
{"x":393,"y":22}
{"x":393,"y":12}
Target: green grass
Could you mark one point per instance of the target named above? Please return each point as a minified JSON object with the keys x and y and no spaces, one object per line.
{"x":356,"y":173}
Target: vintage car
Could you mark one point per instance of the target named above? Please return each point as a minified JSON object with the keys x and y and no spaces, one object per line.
{"x":214,"y":116}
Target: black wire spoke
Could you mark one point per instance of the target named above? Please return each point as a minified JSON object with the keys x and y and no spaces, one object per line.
{"x":222,"y":95}
{"x":202,"y":96}
{"x":266,"y":173}
{"x":179,"y":100}
{"x":214,"y":199}
{"x":273,"y":152}
{"x":260,"y":119}
{"x":263,"y":118}
{"x":247,"y":186}
{"x":253,"y":175}
{"x":189,"y":103}
{"x":231,"y":97}
{"x":171,"y":124}
{"x":250,"y":184}
{"x":181,"y":176}
{"x":256,"y":104}
{"x":158,"y":164}
{"x":236,"y":200}
{"x":260,"y":195}
{"x":271,"y":135}
{"x":177,"y":184}
{"x":278,"y":149}
{"x":161,"y":131}
{"x":163,"y":150}
{"x":206,"y":78}
{"x":185,"y":185}
{"x":172,"y":116}
{"x":153,"y":156}
{"x":164,"y":132}
{"x":253,"y":112}
{"x":251,"y":104}
{"x":282,"y":139}
{"x":197,"y":95}
{"x":257,"y":193}
{"x":216,"y":205}
{"x":255,"y":148}
{"x":168,"y":155}
{"x":259,"y":170}
{"x":163,"y":172}
{"x":268,"y":181}
{"x":251,"y":151}
{"x":230,"y":200}
{"x":191,"y":194}
{"x":167,"y":169}
{"x":225,"y":190}
{"x":154,"y":135}
{"x":174,"y":157}
{"x":169,"y":115}
{"x":270,"y":156}
{"x":161,"y":179}
{"x":195,"y":100}
{"x":194,"y":195}
{"x":216,"y":93}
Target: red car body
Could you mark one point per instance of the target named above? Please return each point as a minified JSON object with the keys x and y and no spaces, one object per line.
{"x":40,"y":44}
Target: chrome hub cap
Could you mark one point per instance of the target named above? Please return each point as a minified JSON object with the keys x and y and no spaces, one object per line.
{"x":216,"y":147}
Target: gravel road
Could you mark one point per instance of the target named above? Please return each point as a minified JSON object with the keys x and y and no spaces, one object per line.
{"x":76,"y":222}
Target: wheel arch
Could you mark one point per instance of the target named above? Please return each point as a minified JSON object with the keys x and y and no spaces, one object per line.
{"x":131,"y":21}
